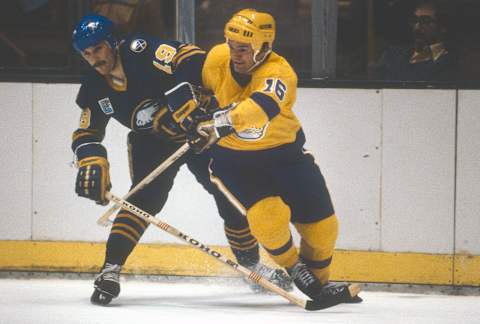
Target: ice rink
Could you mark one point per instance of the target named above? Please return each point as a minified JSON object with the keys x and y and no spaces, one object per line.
{"x":51,"y":301}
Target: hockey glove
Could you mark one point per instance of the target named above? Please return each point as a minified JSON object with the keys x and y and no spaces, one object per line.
{"x":208,"y":129}
{"x":93,"y":177}
{"x":164,"y":127}
{"x":186,"y":102}
{"x":206,"y":99}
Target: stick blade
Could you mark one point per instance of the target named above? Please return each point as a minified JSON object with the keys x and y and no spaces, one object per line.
{"x":105,"y":223}
{"x":353,"y":289}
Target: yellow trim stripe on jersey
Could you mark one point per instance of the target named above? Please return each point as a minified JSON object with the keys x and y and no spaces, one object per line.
{"x":230,"y":197}
{"x":79,"y":133}
{"x":165,"y":68}
{"x":85,"y":118}
{"x":117,"y":85}
{"x":362,"y":266}
{"x":178,"y":60}
{"x":186,"y":51}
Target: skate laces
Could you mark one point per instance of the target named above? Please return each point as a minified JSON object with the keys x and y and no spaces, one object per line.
{"x":111,"y":272}
{"x":301,"y":273}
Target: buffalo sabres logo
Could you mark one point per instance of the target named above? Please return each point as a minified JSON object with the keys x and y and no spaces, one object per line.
{"x":93,"y":25}
{"x":138,"y":45}
{"x":143,"y":115}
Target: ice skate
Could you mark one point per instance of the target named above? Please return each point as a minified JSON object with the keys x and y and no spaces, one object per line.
{"x":106,"y":284}
{"x":329,"y":294}
{"x":275,"y":276}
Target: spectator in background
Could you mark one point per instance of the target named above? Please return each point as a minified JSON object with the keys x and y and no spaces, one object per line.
{"x":153,"y":17}
{"x":428,"y":58}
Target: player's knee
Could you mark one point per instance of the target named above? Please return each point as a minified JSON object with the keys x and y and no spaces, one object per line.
{"x":269,"y":222}
{"x":269,"y":219}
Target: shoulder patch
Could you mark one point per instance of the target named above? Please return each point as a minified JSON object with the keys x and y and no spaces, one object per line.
{"x":106,"y":106}
{"x":138,"y":45}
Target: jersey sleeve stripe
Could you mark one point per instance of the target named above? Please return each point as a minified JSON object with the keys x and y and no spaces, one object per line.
{"x":187,"y":47}
{"x":87,"y":132}
{"x":179,"y":60}
{"x":183,"y":54}
{"x":269,"y":106}
{"x":82,"y":136}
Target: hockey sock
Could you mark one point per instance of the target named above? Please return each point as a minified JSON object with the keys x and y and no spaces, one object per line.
{"x":243,"y":245}
{"x":124,"y":235}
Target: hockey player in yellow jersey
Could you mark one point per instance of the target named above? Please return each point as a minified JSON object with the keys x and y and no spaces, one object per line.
{"x":258,"y":160}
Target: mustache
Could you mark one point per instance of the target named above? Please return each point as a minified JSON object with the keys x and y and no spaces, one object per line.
{"x":99,"y":63}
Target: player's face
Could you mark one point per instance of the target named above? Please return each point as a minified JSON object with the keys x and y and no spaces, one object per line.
{"x":101,"y":57}
{"x":241,"y":55}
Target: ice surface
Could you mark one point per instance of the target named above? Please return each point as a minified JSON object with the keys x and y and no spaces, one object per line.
{"x":52,"y":301}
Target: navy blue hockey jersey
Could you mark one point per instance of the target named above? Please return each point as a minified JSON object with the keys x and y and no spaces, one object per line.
{"x":152,"y":66}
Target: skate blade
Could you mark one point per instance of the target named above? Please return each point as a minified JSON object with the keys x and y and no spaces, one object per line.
{"x":354,"y":289}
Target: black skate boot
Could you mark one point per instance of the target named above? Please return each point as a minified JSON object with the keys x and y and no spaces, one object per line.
{"x":106,"y":284}
{"x":329,"y":294}
{"x":275,"y":276}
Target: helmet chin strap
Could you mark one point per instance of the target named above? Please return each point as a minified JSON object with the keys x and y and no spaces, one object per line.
{"x":257,"y":63}
{"x":255,"y":54}
{"x":116,"y":58}
{"x":115,"y":55}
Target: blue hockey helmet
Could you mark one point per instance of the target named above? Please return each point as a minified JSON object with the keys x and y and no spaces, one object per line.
{"x":91,"y":30}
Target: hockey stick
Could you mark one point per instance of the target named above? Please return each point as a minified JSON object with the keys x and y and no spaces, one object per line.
{"x":253,"y":276}
{"x":104,"y":220}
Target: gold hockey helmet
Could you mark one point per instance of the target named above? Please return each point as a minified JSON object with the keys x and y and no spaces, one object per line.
{"x":251,"y":27}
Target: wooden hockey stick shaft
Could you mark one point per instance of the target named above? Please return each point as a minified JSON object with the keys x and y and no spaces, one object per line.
{"x":253,"y":276}
{"x":310,"y":305}
{"x":104,"y":220}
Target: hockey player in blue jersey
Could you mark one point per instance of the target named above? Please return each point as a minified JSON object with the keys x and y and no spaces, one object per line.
{"x":127,"y":82}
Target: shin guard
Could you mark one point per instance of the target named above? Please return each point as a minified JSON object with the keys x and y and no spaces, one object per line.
{"x":318,"y":244}
{"x":269,"y":221}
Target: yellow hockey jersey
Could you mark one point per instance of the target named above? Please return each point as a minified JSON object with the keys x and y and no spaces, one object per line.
{"x":263,"y":117}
